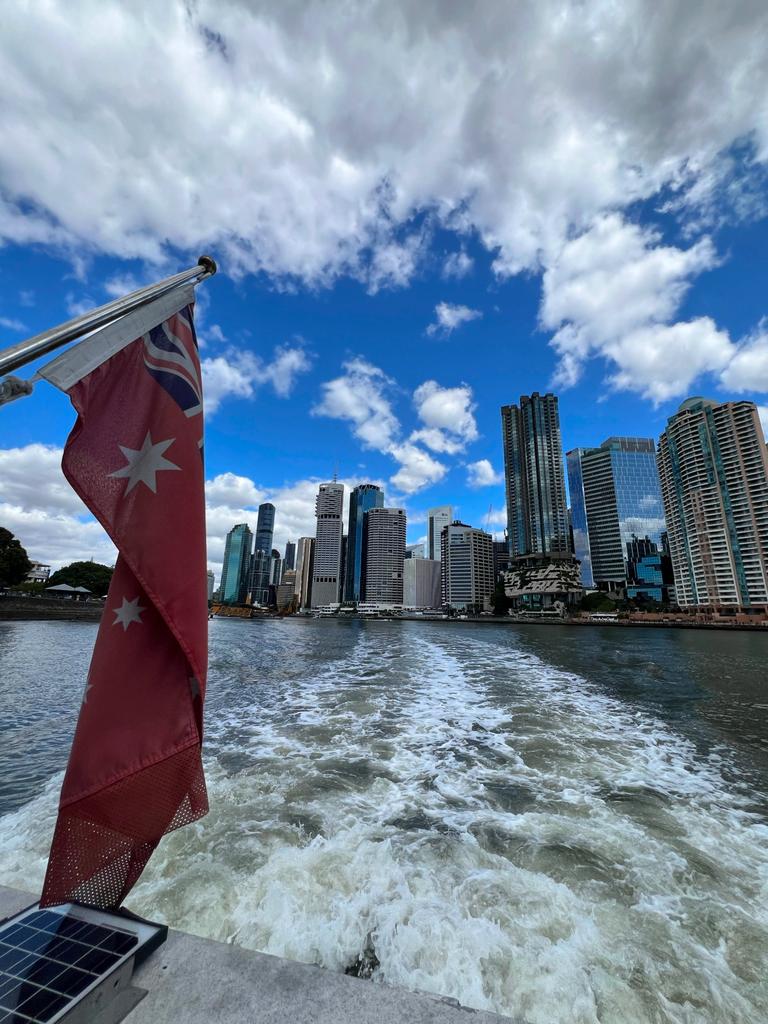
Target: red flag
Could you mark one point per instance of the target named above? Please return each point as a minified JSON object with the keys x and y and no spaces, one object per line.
{"x":135,"y":458}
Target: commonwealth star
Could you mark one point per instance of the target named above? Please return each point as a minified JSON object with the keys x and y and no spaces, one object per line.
{"x":128,"y":612}
{"x":144,"y":465}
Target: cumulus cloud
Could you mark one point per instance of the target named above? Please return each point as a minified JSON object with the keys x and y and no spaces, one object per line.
{"x":448,"y":410}
{"x":361,"y":396}
{"x":612,"y":291}
{"x":482,"y":474}
{"x":448,"y":317}
{"x":325,"y":137}
{"x":11,"y":324}
{"x":239,"y":373}
{"x":748,"y":369}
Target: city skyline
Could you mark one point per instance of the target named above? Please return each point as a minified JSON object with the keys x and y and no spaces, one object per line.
{"x":377,"y":302}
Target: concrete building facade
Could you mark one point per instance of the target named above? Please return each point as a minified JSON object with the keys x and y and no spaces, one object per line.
{"x":383,"y":555}
{"x":326,"y":572}
{"x":537,"y":512}
{"x":305,"y":553}
{"x":467,"y":566}
{"x":422,"y":586}
{"x":713,"y":465}
{"x":437,"y":518}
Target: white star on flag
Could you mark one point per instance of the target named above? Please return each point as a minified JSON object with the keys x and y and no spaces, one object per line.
{"x":128,"y":612}
{"x":144,"y":465}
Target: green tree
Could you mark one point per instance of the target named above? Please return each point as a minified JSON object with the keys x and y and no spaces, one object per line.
{"x":499,"y":600}
{"x":91,"y":575}
{"x":597,"y":602}
{"x":14,"y":564}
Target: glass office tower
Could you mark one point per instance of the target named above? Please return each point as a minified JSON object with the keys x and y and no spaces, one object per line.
{"x":616,"y":497}
{"x":579,"y":515}
{"x":362,"y":498}
{"x":237,"y":558}
{"x":261,"y":563}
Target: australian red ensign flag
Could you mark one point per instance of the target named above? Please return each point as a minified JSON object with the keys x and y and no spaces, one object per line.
{"x":135,"y":457}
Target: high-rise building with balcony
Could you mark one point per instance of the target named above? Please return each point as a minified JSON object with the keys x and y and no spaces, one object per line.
{"x":421,"y":583}
{"x":361,"y":499}
{"x":616,"y":508}
{"x":234,"y":570}
{"x":713,"y":465}
{"x":537,"y":513}
{"x":304,"y":563}
{"x":383,"y":555}
{"x":326,"y":572}
{"x":467,"y":566}
{"x":437,"y":519}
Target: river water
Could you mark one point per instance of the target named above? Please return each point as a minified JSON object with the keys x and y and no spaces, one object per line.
{"x":570,"y":825}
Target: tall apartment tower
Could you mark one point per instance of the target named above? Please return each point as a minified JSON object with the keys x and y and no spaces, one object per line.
{"x":326,"y":573}
{"x":258,"y":582}
{"x":537,"y":512}
{"x":305,"y":556}
{"x":437,"y":518}
{"x":363,"y":498}
{"x":467,"y":566}
{"x":383,"y":555}
{"x":237,"y":559}
{"x":713,"y":466}
{"x":616,"y":505}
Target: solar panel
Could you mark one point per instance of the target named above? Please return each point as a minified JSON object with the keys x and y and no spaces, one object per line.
{"x":54,"y":963}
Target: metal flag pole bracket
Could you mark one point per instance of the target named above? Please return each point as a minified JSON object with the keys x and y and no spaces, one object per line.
{"x":26,"y":351}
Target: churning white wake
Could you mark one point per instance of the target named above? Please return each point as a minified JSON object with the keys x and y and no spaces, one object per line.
{"x":498,"y":829}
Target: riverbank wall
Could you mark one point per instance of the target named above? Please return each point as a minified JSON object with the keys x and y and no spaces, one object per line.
{"x":199,"y":981}
{"x":43,"y":609}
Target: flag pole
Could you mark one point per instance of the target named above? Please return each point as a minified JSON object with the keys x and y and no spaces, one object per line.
{"x":25,"y":351}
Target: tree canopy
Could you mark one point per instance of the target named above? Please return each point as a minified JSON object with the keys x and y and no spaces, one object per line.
{"x":92,"y":575}
{"x":14,"y":563}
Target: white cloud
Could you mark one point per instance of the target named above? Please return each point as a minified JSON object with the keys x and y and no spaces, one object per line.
{"x":12,"y":325}
{"x":239,"y":373}
{"x":417,"y":468}
{"x":324,"y":137}
{"x":482,"y":474}
{"x":448,"y":317}
{"x":457,"y":265}
{"x":612,"y":291}
{"x":748,"y":370}
{"x":360,"y":396}
{"x":448,"y":409}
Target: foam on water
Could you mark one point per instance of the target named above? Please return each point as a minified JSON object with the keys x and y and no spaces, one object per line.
{"x":504,"y":832}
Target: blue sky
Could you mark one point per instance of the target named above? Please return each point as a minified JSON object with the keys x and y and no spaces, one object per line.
{"x":406,"y":242}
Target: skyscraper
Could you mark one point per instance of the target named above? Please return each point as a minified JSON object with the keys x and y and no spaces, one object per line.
{"x":289,"y":562}
{"x":234,"y":571}
{"x":326,"y":581}
{"x":437,"y":519}
{"x":362,"y":498}
{"x":415,"y":551}
{"x":713,"y":466}
{"x":261,"y":563}
{"x":211,"y":584}
{"x":304,"y":564}
{"x":467,"y":569}
{"x":383,"y":555}
{"x":537,"y":517}
{"x":617,"y":508}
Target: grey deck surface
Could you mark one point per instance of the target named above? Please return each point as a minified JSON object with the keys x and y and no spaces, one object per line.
{"x":199,"y":981}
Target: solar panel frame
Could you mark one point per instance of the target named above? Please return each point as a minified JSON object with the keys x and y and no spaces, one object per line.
{"x":54,"y":961}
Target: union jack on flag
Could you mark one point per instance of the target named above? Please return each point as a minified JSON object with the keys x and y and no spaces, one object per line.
{"x":171,"y":356}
